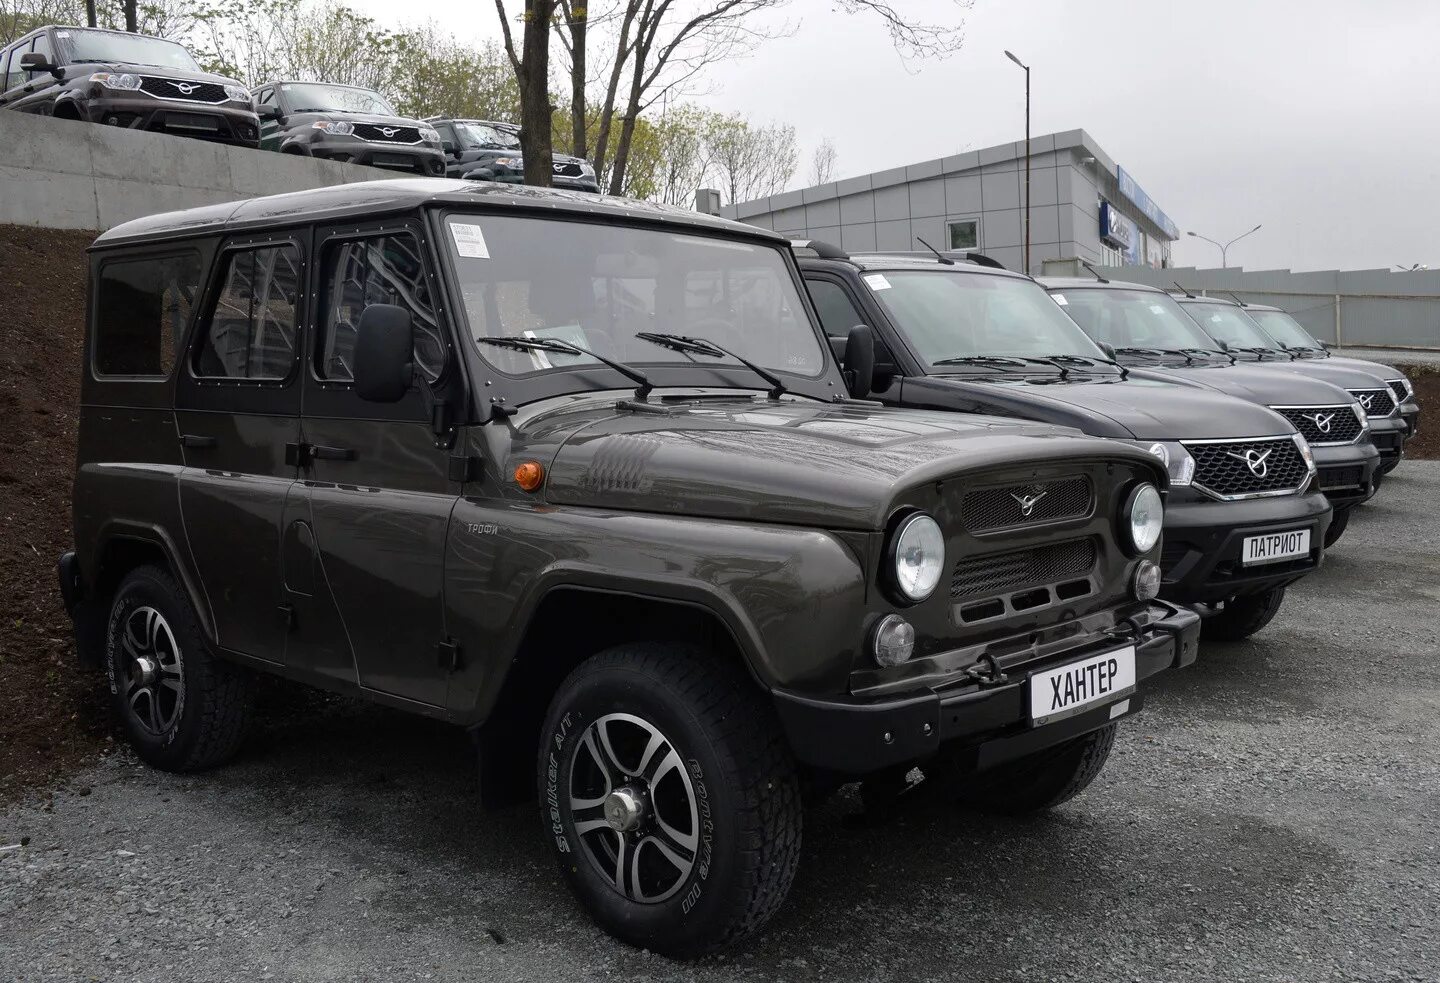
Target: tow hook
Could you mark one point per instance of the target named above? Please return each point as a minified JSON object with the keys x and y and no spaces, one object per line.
{"x":986,"y":671}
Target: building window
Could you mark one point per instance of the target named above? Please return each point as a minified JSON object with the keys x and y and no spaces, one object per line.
{"x":965,"y":234}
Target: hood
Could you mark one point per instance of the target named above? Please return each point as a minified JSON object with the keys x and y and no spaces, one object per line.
{"x":489,"y":153}
{"x":795,"y":462}
{"x":1341,"y":374}
{"x":379,"y":119}
{"x":1263,"y":384}
{"x":154,"y":71}
{"x":1149,"y":409}
{"x":1378,"y":369}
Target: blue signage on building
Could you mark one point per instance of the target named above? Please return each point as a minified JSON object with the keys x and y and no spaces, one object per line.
{"x":1136,"y":195}
{"x":1116,"y":229}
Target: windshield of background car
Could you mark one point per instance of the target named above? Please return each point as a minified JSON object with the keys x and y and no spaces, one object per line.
{"x":106,"y":47}
{"x":1284,"y":329}
{"x":1132,"y":318}
{"x":598,"y":286}
{"x":481,"y":135}
{"x":315,"y":97}
{"x":951,"y":315}
{"x":1228,"y":324}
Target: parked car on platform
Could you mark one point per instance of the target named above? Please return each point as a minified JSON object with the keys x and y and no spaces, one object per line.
{"x":583,"y":476}
{"x":480,"y":150}
{"x":1150,"y":333}
{"x":347,"y":123}
{"x":956,"y":334}
{"x":128,"y":80}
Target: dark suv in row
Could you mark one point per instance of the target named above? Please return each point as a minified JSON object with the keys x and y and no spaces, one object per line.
{"x":347,"y":123}
{"x":480,"y":150}
{"x":584,"y":477}
{"x":128,"y":80}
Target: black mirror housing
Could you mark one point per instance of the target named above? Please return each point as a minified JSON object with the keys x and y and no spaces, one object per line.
{"x":34,"y":61}
{"x":858,"y":366}
{"x":269,"y":112}
{"x":384,"y":354}
{"x":1108,"y":349}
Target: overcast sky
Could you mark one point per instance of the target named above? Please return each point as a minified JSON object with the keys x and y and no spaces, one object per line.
{"x":1319,"y":119}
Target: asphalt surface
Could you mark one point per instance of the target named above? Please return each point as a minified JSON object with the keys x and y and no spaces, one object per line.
{"x":1273,"y":815}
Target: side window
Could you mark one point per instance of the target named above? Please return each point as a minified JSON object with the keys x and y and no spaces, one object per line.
{"x":447,"y":133}
{"x":141,"y":310}
{"x":11,"y":59}
{"x":41,"y":46}
{"x":837,"y":314}
{"x":251,"y":331}
{"x":375,"y":270}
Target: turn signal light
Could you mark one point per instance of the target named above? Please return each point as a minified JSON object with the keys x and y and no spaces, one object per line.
{"x":529,"y":475}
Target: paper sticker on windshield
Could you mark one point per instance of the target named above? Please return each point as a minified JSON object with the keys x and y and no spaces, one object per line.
{"x":877,"y":281}
{"x":1157,"y":309}
{"x":469,"y":240}
{"x":1060,"y":299}
{"x":62,"y":35}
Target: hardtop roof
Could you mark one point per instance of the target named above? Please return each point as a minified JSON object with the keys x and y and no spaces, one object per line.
{"x":1090,"y":283}
{"x":367,"y":199}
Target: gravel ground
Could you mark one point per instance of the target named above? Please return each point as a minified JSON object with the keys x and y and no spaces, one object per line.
{"x":1394,"y":356}
{"x":1273,"y":815}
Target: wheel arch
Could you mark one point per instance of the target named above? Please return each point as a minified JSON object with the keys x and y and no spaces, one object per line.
{"x":123,"y":546}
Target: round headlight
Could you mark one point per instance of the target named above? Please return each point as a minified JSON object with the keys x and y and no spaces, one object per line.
{"x":893,"y":641}
{"x":918,"y":552}
{"x":1144,"y":515}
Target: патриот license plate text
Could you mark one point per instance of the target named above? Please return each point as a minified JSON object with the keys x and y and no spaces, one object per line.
{"x":1073,"y":688}
{"x":1275,"y":547}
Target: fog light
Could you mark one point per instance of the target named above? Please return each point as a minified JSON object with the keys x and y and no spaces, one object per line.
{"x":1147,"y":580}
{"x":894,"y":641}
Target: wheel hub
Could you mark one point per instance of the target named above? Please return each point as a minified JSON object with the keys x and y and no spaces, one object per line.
{"x":624,"y":809}
{"x":145,"y":671}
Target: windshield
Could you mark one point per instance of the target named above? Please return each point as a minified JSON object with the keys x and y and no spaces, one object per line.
{"x":107,"y":47}
{"x":952,"y":315}
{"x":317,"y":97}
{"x":599,"y":286}
{"x":1228,"y":324}
{"x":1284,"y":329}
{"x":486,"y":136}
{"x":1132,"y":318}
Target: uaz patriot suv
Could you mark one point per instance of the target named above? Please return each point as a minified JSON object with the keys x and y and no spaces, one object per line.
{"x":346,"y":123}
{"x":478,"y":150}
{"x":582,"y":475}
{"x":128,"y":80}
{"x":1148,"y":332}
{"x":1243,"y":520}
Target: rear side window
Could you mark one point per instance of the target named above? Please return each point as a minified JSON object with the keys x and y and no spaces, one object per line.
{"x":141,"y":310}
{"x":376,"y":270}
{"x":13,"y":75}
{"x":250,"y":334}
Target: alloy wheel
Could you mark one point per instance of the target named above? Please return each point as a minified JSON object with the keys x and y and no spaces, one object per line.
{"x":149,"y":671}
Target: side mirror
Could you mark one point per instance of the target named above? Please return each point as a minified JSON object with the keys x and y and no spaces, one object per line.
{"x":384,"y":354}
{"x":34,"y":61}
{"x":1329,"y":346}
{"x":1108,"y":349}
{"x":1224,"y":345}
{"x":269,"y":112}
{"x":858,"y":366}
{"x":448,"y":146}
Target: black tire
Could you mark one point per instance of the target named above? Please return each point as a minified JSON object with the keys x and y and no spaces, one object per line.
{"x":201,"y":724}
{"x":729,"y":756}
{"x":1338,"y":521}
{"x":1242,"y":616}
{"x":1044,"y":779}
{"x":1386,"y":466}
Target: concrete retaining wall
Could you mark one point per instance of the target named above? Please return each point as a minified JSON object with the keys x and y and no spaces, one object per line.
{"x":63,"y":174}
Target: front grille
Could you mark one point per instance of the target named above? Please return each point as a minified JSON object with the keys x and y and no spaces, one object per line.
{"x":377,"y":133}
{"x":1330,"y":478}
{"x":563,"y":169}
{"x":986,"y":509}
{"x":1224,"y":471}
{"x":1324,"y":424}
{"x":210,"y":93}
{"x":997,"y":573}
{"x":1377,"y":402}
{"x":1398,"y":387}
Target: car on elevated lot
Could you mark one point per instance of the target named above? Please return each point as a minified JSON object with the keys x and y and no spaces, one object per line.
{"x":345,"y":123}
{"x":422,"y":442}
{"x":1149,"y":333}
{"x":482,"y":150}
{"x":958,"y":334}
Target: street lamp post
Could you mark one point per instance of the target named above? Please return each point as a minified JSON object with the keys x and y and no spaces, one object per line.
{"x":1017,"y":61}
{"x":1223,"y":247}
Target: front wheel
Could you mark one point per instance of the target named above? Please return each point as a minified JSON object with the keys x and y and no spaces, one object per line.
{"x":1044,"y":779}
{"x":669,"y":797}
{"x":1242,"y":616}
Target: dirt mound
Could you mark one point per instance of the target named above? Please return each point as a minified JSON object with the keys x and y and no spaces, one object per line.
{"x":1426,"y":379}
{"x":50,"y":716}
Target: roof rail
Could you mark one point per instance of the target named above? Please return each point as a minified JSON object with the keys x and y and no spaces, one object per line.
{"x":820,"y":248}
{"x":980,"y":259}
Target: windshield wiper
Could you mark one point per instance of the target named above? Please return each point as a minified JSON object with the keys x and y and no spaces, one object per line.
{"x":992,"y":361}
{"x":1259,"y":350}
{"x":1182,"y":352}
{"x":1089,"y":360}
{"x":642,"y":390}
{"x":703,"y":346}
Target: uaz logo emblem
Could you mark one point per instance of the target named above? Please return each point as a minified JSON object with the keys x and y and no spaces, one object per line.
{"x":1027,"y":503}
{"x":1322,"y":421}
{"x":557,"y":167}
{"x":389,"y":131}
{"x":185,"y":87}
{"x":1254,"y":460}
{"x":1366,"y":399}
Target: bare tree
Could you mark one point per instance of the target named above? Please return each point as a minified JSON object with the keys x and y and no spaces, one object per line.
{"x":532,"y":70}
{"x":132,"y":19}
{"x":576,"y":14}
{"x":750,"y":161}
{"x":822,"y":162}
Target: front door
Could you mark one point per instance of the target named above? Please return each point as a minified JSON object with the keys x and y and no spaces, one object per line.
{"x":237,"y":407}
{"x":378,"y":488}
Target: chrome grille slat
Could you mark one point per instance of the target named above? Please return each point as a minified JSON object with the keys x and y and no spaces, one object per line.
{"x":1037,"y":566}
{"x":1377,"y":402}
{"x":205,"y":93}
{"x":1221,"y":469}
{"x":1003,"y":507}
{"x":1399,"y":388}
{"x":1323,"y":424}
{"x":374,"y":133}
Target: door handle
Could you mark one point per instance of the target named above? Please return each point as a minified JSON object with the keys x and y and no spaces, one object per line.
{"x":197,"y":442}
{"x":321,"y":453}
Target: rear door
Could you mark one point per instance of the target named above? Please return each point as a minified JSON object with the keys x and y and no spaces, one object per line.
{"x":237,"y":408}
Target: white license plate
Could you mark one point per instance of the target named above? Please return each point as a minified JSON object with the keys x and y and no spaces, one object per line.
{"x":1276,"y":546}
{"x":1059,"y":693}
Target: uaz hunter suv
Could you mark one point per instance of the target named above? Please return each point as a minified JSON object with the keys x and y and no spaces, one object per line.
{"x":347,"y":123}
{"x":478,"y":150}
{"x":1243,"y":520}
{"x":582,"y":476}
{"x":1148,"y":332}
{"x":127,"y":80}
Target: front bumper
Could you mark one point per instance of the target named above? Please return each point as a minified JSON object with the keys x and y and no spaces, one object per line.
{"x":988,"y":722}
{"x":1346,"y":474}
{"x":1388,"y":434}
{"x":416,"y":159}
{"x":229,"y":123}
{"x":1201,"y":552}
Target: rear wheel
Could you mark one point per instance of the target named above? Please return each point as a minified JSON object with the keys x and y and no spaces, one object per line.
{"x":1042,"y":780}
{"x":1242,"y":616}
{"x":669,"y":797}
{"x":1338,"y":521}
